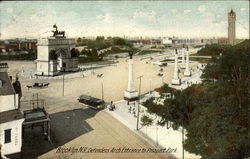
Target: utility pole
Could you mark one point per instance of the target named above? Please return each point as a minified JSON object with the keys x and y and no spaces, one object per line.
{"x":150,"y":86}
{"x":37,"y":101}
{"x":182,"y":135}
{"x":33,"y":101}
{"x":63,"y":87}
{"x":138,"y":114}
{"x":182,"y":142}
{"x":102,"y":92}
{"x":156,"y":132}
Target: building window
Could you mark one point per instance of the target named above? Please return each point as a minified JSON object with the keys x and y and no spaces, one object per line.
{"x":7,"y":136}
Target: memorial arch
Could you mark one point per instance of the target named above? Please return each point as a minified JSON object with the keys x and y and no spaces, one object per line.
{"x":56,"y":54}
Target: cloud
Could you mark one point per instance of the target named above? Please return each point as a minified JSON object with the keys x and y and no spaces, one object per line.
{"x":186,"y":11}
{"x":145,"y":15}
{"x":105,"y":18}
{"x":144,"y":20}
{"x":202,"y":8}
{"x":174,"y":11}
{"x":9,"y":10}
{"x":242,"y":9}
{"x":217,"y":19}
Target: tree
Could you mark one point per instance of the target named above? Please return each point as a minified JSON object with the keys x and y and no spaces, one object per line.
{"x":146,"y":121}
{"x":74,"y":52}
{"x":213,"y":49}
{"x":99,"y":38}
{"x":79,"y":40}
{"x":94,"y":53}
{"x":224,"y":114}
{"x":118,"y":41}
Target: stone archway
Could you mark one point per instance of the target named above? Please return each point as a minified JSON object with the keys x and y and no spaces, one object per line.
{"x":53,"y":55}
{"x":61,"y":59}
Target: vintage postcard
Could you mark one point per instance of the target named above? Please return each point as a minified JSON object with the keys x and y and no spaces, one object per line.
{"x":124,"y":79}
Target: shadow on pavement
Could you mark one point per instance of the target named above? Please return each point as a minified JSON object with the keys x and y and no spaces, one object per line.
{"x":65,"y":126}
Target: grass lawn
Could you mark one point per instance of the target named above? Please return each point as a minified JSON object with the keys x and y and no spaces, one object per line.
{"x":144,"y":52}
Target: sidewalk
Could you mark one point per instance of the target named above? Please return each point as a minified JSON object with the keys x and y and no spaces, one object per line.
{"x":158,"y":136}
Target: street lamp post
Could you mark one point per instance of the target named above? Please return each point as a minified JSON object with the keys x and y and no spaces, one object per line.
{"x":150,"y":87}
{"x":102,"y":92}
{"x":63,"y":86}
{"x":138,"y":114}
{"x":156,"y":132}
{"x":182,"y":135}
{"x":182,"y":142}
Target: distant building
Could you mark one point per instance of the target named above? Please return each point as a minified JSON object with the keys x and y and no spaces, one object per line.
{"x":11,"y":118}
{"x":222,"y":41}
{"x":231,"y":27}
{"x":145,"y":42}
{"x":7,"y":47}
{"x":166,"y":41}
{"x":56,"y":54}
{"x":155,"y":42}
{"x":17,"y":45}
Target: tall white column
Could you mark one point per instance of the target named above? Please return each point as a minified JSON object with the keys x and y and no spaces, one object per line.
{"x":130,"y":94}
{"x":131,"y":85}
{"x":176,"y":80}
{"x":183,"y":57}
{"x":187,"y":71}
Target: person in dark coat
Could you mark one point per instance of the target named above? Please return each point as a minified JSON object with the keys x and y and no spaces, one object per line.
{"x":18,"y":89}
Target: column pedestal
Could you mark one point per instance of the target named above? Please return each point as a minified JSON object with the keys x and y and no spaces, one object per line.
{"x":187,"y":73}
{"x":131,"y":96}
{"x":176,"y":82}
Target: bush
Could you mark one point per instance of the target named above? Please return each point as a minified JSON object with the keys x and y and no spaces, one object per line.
{"x":146,"y":121}
{"x":89,"y":59}
{"x":143,"y":52}
{"x":32,"y":55}
{"x":213,"y":49}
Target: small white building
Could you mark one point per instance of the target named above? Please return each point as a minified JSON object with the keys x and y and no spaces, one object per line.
{"x":11,"y":118}
{"x":56,"y":54}
{"x":167,"y":41}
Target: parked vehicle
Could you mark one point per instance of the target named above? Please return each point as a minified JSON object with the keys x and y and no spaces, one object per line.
{"x":92,"y":102}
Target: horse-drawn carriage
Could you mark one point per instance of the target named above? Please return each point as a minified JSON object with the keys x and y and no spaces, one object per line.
{"x":38,"y":85}
{"x":160,"y":74}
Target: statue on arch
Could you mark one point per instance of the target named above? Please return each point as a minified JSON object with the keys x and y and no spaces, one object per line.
{"x":56,"y":32}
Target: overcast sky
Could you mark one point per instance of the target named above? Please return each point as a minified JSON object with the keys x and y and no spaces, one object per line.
{"x":118,"y":18}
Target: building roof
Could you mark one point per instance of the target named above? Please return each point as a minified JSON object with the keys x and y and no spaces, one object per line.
{"x":35,"y":115}
{"x":6,"y":88}
{"x":10,"y":115}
